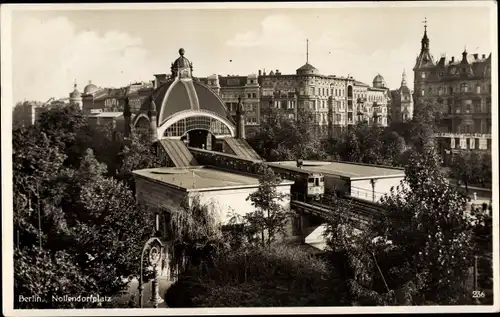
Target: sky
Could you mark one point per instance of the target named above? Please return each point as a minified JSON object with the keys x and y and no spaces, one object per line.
{"x":112,"y":48}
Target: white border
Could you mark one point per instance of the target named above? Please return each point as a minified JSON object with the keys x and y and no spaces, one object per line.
{"x":7,"y":219}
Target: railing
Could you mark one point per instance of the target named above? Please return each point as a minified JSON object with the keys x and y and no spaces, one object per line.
{"x":355,"y":208}
{"x":463,"y":135}
{"x":366,"y":194}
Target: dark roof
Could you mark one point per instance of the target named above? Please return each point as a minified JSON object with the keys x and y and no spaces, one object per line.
{"x":180,"y":95}
{"x":461,"y":68}
{"x":358,"y":83}
{"x":111,"y":93}
{"x":307,"y":66}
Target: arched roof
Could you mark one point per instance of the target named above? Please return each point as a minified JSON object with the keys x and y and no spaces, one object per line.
{"x":182,"y":93}
{"x":90,"y":88}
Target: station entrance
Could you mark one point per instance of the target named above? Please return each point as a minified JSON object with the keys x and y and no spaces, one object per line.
{"x":202,"y":139}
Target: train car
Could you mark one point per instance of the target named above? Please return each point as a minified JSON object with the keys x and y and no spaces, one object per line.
{"x":307,"y":186}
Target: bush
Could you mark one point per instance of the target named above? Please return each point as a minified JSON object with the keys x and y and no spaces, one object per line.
{"x":257,"y":277}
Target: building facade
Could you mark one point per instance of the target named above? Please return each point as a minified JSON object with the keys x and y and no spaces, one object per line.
{"x":336,"y":102}
{"x":460,"y":92}
{"x":96,"y":99}
{"x":28,"y":113}
{"x":402,"y":102}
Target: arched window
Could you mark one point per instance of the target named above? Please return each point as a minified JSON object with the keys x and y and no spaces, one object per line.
{"x":349,"y":92}
{"x":478,"y":89}
{"x":182,"y":126}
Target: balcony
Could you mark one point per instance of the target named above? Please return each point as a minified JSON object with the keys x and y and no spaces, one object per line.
{"x":463,"y":135}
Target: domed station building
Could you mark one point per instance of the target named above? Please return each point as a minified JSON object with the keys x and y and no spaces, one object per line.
{"x":185,"y":112}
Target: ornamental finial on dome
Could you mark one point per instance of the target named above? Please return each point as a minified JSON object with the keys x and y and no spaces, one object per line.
{"x":181,"y":66}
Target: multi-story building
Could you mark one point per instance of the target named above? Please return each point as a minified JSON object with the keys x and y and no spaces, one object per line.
{"x":402,"y":102}
{"x":334,"y":100}
{"x":28,"y":113}
{"x":460,"y":90}
{"x":97,"y":99}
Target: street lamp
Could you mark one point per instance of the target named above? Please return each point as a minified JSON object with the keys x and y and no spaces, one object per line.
{"x":156,"y":249}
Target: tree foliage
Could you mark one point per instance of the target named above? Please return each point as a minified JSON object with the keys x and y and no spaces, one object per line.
{"x":136,"y":154}
{"x":256,"y":276}
{"x":91,"y":230}
{"x":425,"y":243}
{"x":431,"y":214}
{"x":471,"y":168}
{"x":269,"y":217}
{"x":282,"y":138}
{"x":370,"y":144}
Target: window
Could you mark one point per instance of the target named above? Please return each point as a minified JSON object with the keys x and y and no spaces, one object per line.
{"x":463,"y":144}
{"x":197,"y":122}
{"x":478,"y":89}
{"x":477,"y":108}
{"x":472,"y":143}
{"x":423,"y":75}
{"x":450,"y":90}
{"x":463,"y":88}
{"x":422,"y":92}
{"x":254,"y":95}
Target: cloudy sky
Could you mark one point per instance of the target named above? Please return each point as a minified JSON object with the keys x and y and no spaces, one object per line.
{"x":52,"y":48}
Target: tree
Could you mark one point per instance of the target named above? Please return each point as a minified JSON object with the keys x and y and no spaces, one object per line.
{"x":90,"y":229}
{"x":464,"y":167}
{"x":256,"y":276}
{"x":419,"y":252}
{"x":484,"y":177}
{"x":68,"y":129}
{"x":355,"y":258}
{"x":423,"y":127}
{"x":136,"y":154}
{"x":370,"y":144}
{"x":269,"y":215}
{"x":428,"y":223}
{"x":393,"y":147}
{"x":282,"y":138}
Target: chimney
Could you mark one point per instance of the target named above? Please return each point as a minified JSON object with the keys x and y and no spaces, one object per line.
{"x":484,"y":56}
{"x":277,"y":71}
{"x":476,"y":56}
{"x":260,"y":73}
{"x":453,"y":59}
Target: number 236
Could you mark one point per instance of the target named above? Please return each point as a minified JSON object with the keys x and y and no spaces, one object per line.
{"x":478,"y":294}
